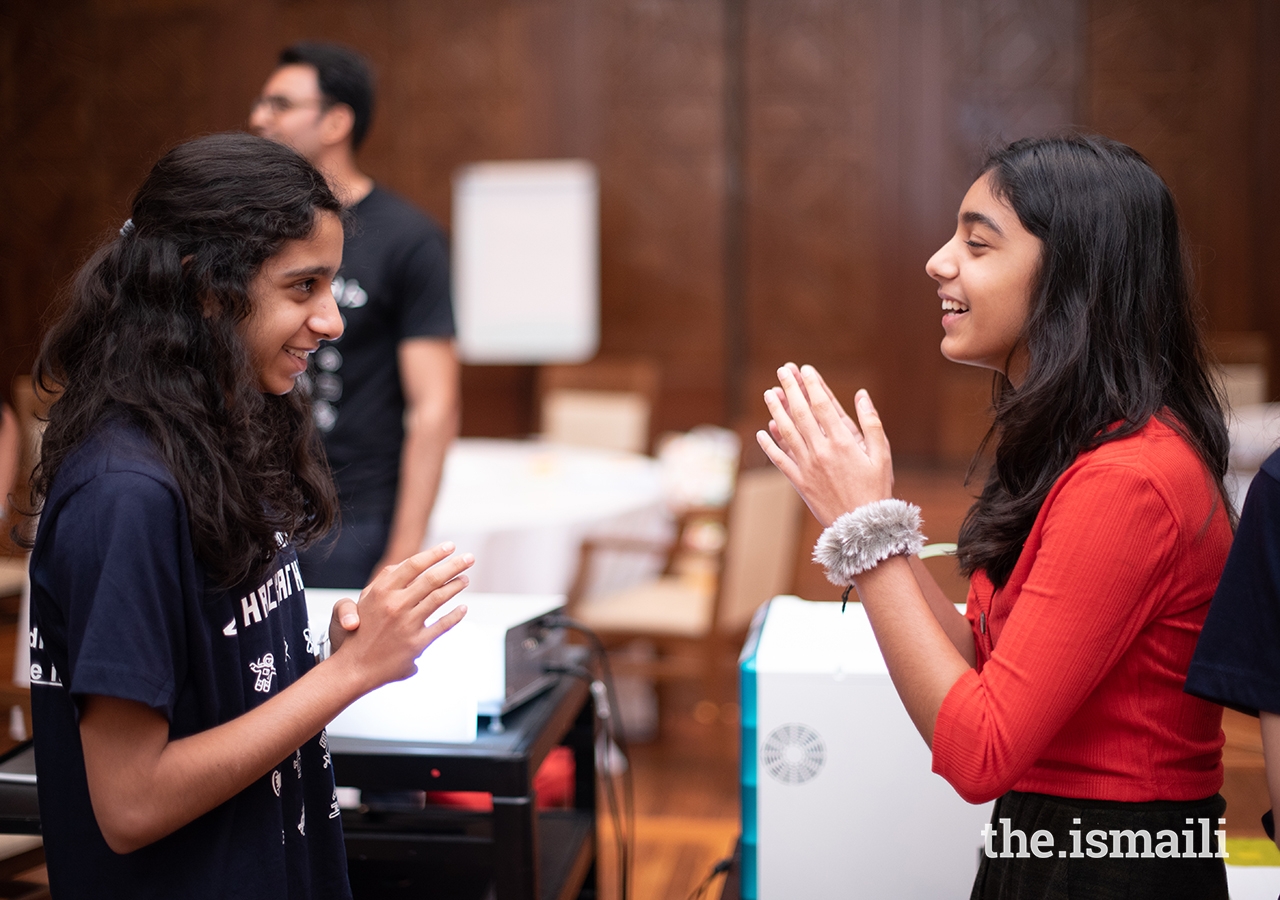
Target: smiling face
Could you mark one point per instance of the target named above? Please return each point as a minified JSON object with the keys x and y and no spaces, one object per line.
{"x":293,"y":306}
{"x":985,"y":275}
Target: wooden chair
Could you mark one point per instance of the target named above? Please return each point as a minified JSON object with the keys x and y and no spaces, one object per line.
{"x":693,"y":612}
{"x":1244,"y":362}
{"x":605,"y":403}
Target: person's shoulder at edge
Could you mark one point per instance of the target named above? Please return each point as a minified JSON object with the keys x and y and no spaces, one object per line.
{"x":1271,"y":465}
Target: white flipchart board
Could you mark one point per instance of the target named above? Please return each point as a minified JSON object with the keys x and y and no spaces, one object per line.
{"x":526,"y":261}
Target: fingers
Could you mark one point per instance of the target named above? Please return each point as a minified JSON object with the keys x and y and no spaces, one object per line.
{"x":442,"y":595}
{"x":346,"y":614}
{"x":825,"y":412}
{"x":775,"y":434}
{"x":795,"y":373}
{"x":877,"y":443}
{"x":443,"y":572}
{"x":786,"y":465}
{"x":401,"y":575}
{"x":444,"y":623}
{"x":835,"y":401}
{"x":789,"y":408}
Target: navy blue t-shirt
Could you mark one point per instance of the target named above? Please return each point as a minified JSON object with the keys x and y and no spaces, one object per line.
{"x":1237,"y":659}
{"x":121,"y":607}
{"x":393,"y":286}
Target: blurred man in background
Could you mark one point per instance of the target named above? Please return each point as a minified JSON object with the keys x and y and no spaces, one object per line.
{"x":386,"y":392}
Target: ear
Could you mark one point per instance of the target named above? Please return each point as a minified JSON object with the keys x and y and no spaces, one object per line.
{"x":336,"y":126}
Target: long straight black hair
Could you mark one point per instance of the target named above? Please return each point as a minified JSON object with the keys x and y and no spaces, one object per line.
{"x":1112,"y":338}
{"x":149,"y":331}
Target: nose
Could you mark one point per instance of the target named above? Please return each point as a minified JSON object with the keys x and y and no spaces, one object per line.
{"x":258,"y":117}
{"x":327,"y":321}
{"x":942,"y":265}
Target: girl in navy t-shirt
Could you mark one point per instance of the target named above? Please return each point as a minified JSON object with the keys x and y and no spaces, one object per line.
{"x":179,"y":705}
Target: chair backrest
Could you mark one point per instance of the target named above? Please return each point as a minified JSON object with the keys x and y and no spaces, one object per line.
{"x":603,"y":403}
{"x":760,"y":553}
{"x":610,"y":420}
{"x":1243,"y":365}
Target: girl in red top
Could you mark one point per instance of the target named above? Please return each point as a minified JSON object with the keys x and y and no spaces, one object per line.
{"x":1093,"y":549}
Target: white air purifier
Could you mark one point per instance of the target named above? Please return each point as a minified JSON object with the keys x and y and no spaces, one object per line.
{"x":838,"y":799}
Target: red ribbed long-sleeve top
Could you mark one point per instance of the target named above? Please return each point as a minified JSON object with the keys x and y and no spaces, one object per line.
{"x":1082,"y":655}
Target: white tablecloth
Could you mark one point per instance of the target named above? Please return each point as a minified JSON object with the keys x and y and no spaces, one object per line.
{"x":523,"y":508}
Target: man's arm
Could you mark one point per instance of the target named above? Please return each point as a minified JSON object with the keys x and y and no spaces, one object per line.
{"x":144,"y":786}
{"x":429,"y":380}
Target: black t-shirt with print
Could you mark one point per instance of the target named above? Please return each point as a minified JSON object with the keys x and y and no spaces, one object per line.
{"x":121,"y":607}
{"x":393,"y":286}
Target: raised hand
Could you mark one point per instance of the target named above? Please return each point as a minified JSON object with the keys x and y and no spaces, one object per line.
{"x":835,"y":463}
{"x":844,"y":416}
{"x":391,"y":630}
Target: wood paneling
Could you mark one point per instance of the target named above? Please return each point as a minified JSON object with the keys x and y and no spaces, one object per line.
{"x":867,"y":122}
{"x":813,"y":213}
{"x":857,"y":124}
{"x":1265,"y":181}
{"x":1179,"y":82}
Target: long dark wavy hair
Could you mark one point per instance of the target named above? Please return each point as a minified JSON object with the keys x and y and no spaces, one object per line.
{"x":149,"y":331}
{"x":1113,"y":337}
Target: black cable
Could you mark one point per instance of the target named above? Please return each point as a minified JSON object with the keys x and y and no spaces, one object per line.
{"x":719,"y":868}
{"x":615,"y":734}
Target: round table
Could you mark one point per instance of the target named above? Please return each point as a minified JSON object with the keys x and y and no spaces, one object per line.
{"x":523,"y":508}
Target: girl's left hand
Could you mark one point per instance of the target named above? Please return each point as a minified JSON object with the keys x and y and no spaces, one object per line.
{"x":344,"y":619}
{"x":835,"y":463}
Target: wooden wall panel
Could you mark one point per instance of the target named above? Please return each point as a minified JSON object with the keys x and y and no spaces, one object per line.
{"x":633,"y":86}
{"x":812,"y":210}
{"x":1265,"y":181}
{"x":661,"y":154}
{"x":867,"y":122}
{"x":77,"y":123}
{"x":862,"y":123}
{"x":1179,"y":82}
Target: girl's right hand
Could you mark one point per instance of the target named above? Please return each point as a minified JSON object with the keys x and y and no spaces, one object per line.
{"x":392,"y":632}
{"x":835,"y":463}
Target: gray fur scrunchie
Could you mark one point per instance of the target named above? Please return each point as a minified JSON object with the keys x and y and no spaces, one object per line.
{"x":858,"y":540}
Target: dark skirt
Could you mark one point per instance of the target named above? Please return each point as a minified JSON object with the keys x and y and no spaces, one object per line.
{"x":1063,"y":849}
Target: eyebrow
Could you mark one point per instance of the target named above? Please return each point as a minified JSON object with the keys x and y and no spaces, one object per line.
{"x":976,"y":218}
{"x":308,"y":270}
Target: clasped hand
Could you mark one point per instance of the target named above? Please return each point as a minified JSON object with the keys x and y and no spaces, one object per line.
{"x":388,"y":624}
{"x":835,"y":463}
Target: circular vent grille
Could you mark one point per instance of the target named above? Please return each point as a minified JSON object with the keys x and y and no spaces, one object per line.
{"x":793,"y":753}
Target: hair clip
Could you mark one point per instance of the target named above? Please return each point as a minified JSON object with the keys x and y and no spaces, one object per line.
{"x":127,"y":228}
